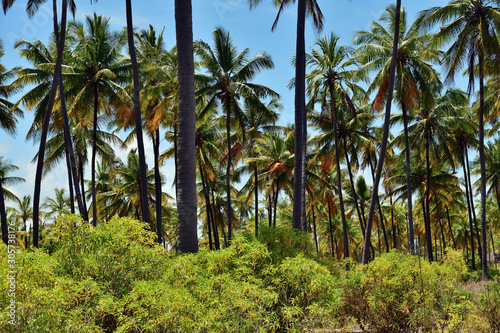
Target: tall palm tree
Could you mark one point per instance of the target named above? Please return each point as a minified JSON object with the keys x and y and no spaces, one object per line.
{"x":97,"y":68}
{"x":58,"y":204}
{"x":383,"y":148}
{"x":326,"y":85}
{"x":472,"y":29}
{"x":304,"y":7}
{"x":227,"y":79}
{"x":137,"y":113}
{"x":415,"y":78}
{"x":186,"y":150}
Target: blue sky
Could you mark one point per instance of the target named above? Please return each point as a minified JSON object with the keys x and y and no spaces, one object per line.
{"x":249,"y":29}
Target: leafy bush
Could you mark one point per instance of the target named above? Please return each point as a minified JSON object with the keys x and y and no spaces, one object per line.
{"x":489,"y":302}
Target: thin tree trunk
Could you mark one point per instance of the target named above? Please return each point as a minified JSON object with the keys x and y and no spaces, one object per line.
{"x":82,"y":182}
{"x":45,"y":128}
{"x":186,"y":146}
{"x":331,"y":229}
{"x":269,"y":210}
{"x":360,"y":217}
{"x":276,"y":199}
{"x":256,"y":190}
{"x":385,"y":136}
{"x":473,"y":209}
{"x":214,"y":216}
{"x":427,"y":195}
{"x":333,"y":109}
{"x":158,"y":194}
{"x":408,"y":182}
{"x":451,"y":230}
{"x":137,"y":113}
{"x":207,"y":204}
{"x":94,"y":151}
{"x":300,"y":110}
{"x":314,"y":229}
{"x":484,"y":262}
{"x":70,"y":184}
{"x":228,"y":168}
{"x":466,"y":178}
{"x":394,"y":242}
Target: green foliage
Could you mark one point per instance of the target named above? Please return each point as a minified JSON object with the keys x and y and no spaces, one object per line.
{"x":283,"y":242}
{"x":115,"y":278}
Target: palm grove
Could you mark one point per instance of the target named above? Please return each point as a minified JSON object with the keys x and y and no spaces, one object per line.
{"x":236,"y":167}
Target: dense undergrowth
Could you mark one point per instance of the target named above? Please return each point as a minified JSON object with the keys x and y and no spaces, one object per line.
{"x":114,"y":278}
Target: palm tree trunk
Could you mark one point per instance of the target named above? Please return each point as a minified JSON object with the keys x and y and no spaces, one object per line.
{"x":158,"y":194}
{"x":269,"y":210}
{"x":70,"y":184}
{"x":214,"y":217}
{"x":276,"y":199}
{"x":484,"y":262}
{"x":451,"y":230}
{"x":466,"y":178}
{"x":207,"y":204}
{"x":360,"y":217}
{"x":186,"y":146}
{"x":473,"y":209}
{"x":498,"y":196}
{"x":82,"y":183}
{"x":427,"y":214}
{"x":94,"y":150}
{"x":408,"y":181}
{"x":315,"y":231}
{"x":228,"y":168}
{"x":385,"y":136}
{"x":333,"y":109}
{"x":394,"y":242}
{"x":137,"y":113}
{"x":440,"y":223}
{"x":331,"y":228}
{"x":256,"y":180}
{"x":60,"y":41}
{"x":3,"y":216}
{"x":300,"y":110}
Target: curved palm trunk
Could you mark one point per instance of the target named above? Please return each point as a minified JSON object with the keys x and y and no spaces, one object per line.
{"x":70,"y":184}
{"x":228,"y":169}
{"x":156,"y":148}
{"x":484,"y":262}
{"x":186,"y":146}
{"x":94,"y":151}
{"x":411,"y":235}
{"x":470,"y":215}
{"x":385,"y":136}
{"x":300,"y":110}
{"x":137,"y":114}
{"x":60,"y":44}
{"x":333,"y":107}
{"x":427,"y":214}
{"x":3,"y":217}
{"x":208,"y":209}
{"x":43,"y":137}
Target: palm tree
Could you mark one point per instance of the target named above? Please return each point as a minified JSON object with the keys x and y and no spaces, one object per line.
{"x":304,"y":7}
{"x":186,"y":151}
{"x":390,"y":88}
{"x":8,"y":112}
{"x":58,"y":204}
{"x":472,"y":30}
{"x":415,"y":78}
{"x":97,"y":69}
{"x":227,"y":79}
{"x":326,"y":85}
{"x":143,"y":190}
{"x":5,"y":168}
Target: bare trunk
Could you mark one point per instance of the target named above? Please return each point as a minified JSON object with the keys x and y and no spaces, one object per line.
{"x":470,"y":210}
{"x":94,"y":151}
{"x":137,"y":114}
{"x":484,"y":262}
{"x":256,"y":190}
{"x":451,"y":230}
{"x":158,"y":191}
{"x":3,"y":216}
{"x":228,"y":169}
{"x":408,"y":183}
{"x":427,"y":214}
{"x":383,"y":148}
{"x":300,"y":110}
{"x":186,"y":145}
{"x":315,"y":232}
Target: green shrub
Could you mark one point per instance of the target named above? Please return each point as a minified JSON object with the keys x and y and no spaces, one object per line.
{"x":283,"y":242}
{"x":489,"y":302}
